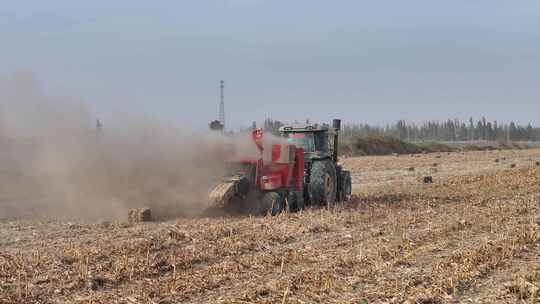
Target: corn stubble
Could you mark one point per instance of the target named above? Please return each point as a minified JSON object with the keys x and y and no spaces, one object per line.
{"x":466,"y":238}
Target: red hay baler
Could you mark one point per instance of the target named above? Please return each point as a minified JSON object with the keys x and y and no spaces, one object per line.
{"x":265,"y":184}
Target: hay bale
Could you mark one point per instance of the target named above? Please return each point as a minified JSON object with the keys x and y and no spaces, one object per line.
{"x":411,"y":169}
{"x":435,"y":164}
{"x":537,"y":164}
{"x":512,"y":165}
{"x":139,"y":215}
{"x":497,"y":160}
{"x":428,"y":179}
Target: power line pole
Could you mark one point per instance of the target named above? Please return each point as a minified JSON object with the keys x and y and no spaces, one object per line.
{"x":222,"y":103}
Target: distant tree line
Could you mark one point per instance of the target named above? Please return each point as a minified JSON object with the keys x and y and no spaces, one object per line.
{"x":449,"y":130}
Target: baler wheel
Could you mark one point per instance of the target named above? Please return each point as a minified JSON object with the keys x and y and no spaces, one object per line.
{"x":271,"y":203}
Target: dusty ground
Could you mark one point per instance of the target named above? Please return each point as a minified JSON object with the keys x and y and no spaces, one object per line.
{"x":473,"y":236}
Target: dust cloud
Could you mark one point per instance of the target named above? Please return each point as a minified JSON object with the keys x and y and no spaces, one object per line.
{"x":56,"y":162}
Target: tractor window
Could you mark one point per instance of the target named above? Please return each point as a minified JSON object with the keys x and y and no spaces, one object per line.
{"x":302,"y":140}
{"x":321,"y":141}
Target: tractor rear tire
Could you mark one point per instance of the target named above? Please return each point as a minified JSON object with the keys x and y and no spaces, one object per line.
{"x":271,"y":203}
{"x":322,"y":186}
{"x":346,"y":186}
{"x":296,"y":201}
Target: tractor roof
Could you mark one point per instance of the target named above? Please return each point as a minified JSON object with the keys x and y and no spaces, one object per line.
{"x":305,"y":127}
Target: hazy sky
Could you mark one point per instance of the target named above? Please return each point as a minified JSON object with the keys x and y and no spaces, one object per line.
{"x":363,"y":61}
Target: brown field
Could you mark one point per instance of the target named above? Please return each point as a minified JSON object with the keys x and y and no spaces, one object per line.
{"x":472,"y":236}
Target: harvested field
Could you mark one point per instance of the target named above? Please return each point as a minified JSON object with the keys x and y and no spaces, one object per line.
{"x":473,"y":235}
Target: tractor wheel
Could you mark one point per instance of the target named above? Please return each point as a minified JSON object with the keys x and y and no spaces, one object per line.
{"x":346,"y":187}
{"x":323,"y":183}
{"x":271,"y":203}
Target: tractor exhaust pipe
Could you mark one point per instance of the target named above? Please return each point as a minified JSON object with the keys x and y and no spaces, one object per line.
{"x":336,"y":125}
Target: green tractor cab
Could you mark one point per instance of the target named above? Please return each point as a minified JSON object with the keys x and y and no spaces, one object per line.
{"x":325,"y":182}
{"x":313,"y":139}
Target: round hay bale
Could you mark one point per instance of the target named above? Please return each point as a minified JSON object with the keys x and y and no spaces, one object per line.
{"x":428,"y":179}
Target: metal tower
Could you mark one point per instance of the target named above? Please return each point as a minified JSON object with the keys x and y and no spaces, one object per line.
{"x":222,"y":103}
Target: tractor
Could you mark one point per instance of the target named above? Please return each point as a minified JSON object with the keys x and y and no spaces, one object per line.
{"x":290,"y":172}
{"x":325,"y":181}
